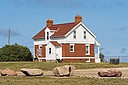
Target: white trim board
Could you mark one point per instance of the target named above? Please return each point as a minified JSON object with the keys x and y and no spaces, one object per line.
{"x":41,"y":58}
{"x":77,"y":57}
{"x":77,"y":42}
{"x":83,"y":26}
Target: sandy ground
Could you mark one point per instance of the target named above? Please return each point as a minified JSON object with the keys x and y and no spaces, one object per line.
{"x":92,"y":72}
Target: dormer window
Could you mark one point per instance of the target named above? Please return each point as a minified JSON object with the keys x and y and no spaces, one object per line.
{"x":74,"y":34}
{"x":84,"y":34}
{"x":47,"y":35}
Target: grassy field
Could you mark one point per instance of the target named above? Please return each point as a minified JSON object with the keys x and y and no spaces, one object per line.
{"x":45,"y":80}
{"x":50,"y":65}
{"x":61,"y":81}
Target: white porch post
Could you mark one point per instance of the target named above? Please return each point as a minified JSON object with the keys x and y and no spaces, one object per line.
{"x":98,"y":52}
{"x":97,"y":57}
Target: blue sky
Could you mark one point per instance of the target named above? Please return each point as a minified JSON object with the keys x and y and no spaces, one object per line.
{"x":107,"y":19}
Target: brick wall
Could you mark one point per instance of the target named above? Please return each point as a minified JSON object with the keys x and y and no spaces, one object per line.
{"x":43,"y":50}
{"x":77,"y":60}
{"x":79,"y":50}
{"x":36,"y":47}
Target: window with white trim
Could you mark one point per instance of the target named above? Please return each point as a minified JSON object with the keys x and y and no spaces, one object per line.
{"x":50,"y":50}
{"x":40,"y":46}
{"x":74,"y":34}
{"x":39,"y":50}
{"x":87,"y":60}
{"x":47,"y":35}
{"x":84,"y":34}
{"x":72,"y":48}
{"x":87,"y":49}
{"x":40,"y":60}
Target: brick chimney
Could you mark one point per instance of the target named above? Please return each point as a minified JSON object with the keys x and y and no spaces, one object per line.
{"x":49,"y":22}
{"x":78,"y":19}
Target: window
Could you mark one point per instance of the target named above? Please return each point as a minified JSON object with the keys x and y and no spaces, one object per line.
{"x":39,"y":51}
{"x":50,"y":50}
{"x":87,"y":49}
{"x":84,"y":34}
{"x":47,"y":35}
{"x":40,"y":60}
{"x":40,"y":46}
{"x":72,"y":48}
{"x":87,"y":60}
{"x":74,"y":34}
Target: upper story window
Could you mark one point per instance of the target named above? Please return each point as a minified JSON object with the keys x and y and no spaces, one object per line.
{"x":87,"y":49}
{"x":74,"y":34}
{"x":72,"y":48}
{"x":47,"y":35}
{"x":84,"y":34}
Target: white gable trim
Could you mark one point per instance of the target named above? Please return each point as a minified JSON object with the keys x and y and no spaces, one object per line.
{"x":47,"y":29}
{"x":83,"y":26}
{"x":97,"y":43}
{"x":78,"y":57}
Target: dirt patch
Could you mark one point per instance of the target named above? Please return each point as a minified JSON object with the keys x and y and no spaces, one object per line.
{"x":92,"y":72}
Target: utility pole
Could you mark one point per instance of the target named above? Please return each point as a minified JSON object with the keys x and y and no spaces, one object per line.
{"x":9,"y":37}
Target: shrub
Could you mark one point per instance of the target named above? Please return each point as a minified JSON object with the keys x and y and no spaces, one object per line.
{"x":101,"y":57}
{"x":114,"y":61}
{"x":15,"y":53}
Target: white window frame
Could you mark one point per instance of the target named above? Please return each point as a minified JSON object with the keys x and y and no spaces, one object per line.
{"x":84,"y":34}
{"x":74,"y":34}
{"x":87,"y":47}
{"x":40,"y":46}
{"x":87,"y":59}
{"x":50,"y":50}
{"x":40,"y":49}
{"x":71,"y":47}
{"x":40,"y":60}
{"x":47,"y":36}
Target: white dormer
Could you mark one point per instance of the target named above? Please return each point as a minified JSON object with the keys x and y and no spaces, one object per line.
{"x":47,"y":34}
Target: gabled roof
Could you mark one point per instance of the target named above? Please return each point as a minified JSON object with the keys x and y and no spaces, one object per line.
{"x":41,"y":34}
{"x":55,"y":43}
{"x":61,"y":30}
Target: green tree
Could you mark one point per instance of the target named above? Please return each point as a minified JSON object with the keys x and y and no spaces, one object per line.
{"x":15,"y":53}
{"x":101,"y":57}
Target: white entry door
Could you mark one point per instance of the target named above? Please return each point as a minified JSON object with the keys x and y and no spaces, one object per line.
{"x":51,"y":54}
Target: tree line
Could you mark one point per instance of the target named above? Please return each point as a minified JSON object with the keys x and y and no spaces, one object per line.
{"x":15,"y":53}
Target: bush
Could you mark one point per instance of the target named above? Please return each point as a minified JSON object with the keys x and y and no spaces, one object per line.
{"x":101,"y":57}
{"x":15,"y":53}
{"x":114,"y":61}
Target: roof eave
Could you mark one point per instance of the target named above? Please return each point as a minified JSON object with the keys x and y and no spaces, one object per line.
{"x":38,"y":38}
{"x":62,"y":36}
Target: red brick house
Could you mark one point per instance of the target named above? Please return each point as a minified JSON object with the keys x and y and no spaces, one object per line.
{"x":69,"y":42}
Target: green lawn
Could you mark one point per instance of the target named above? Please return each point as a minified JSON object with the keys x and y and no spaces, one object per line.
{"x":45,"y":80}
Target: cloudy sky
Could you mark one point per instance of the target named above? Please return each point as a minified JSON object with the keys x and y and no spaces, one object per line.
{"x":107,"y":19}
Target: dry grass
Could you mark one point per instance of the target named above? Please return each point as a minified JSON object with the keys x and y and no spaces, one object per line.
{"x":50,"y":65}
{"x":61,"y":81}
{"x":45,"y":80}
